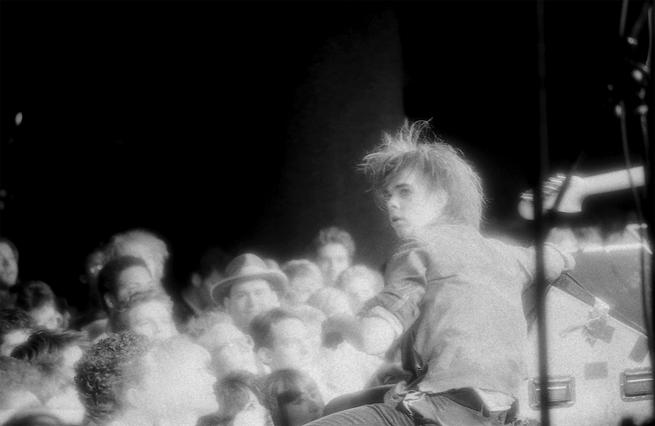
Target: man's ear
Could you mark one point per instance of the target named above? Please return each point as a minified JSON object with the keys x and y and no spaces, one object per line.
{"x":443,"y":198}
{"x":264,"y":355}
{"x":109,"y":300}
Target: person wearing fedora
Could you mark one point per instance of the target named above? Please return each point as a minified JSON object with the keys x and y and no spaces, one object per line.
{"x":250,"y":287}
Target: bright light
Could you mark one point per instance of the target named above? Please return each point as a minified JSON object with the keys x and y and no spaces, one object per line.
{"x":614,"y":247}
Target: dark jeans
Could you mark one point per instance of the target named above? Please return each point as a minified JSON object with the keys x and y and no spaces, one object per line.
{"x":436,"y":409}
{"x":368,"y":396}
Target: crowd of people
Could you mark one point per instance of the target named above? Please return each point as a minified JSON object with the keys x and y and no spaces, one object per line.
{"x":438,"y":336}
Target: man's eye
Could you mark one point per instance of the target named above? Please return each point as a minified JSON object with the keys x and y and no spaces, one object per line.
{"x":405,"y":192}
{"x":250,"y":407}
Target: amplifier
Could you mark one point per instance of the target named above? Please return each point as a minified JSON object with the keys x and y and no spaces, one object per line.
{"x":598,"y":362}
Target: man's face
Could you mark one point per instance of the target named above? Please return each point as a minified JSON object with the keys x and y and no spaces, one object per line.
{"x":231,"y":350}
{"x":8,"y":265}
{"x":135,"y":279}
{"x":248,"y":299}
{"x":306,"y":408}
{"x":360,"y":290}
{"x":291,"y":346}
{"x":302,"y":288}
{"x":179,"y":385}
{"x":47,"y":317}
{"x":411,"y":204}
{"x":153,"y":319}
{"x":253,"y":414}
{"x":333,"y":259}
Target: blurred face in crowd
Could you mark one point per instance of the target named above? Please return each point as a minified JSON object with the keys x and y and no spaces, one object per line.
{"x":231,"y":350}
{"x":333,"y":259}
{"x":135,"y":279}
{"x":412,"y":204}
{"x":145,"y":251}
{"x":253,"y":414}
{"x":13,"y":339}
{"x":153,"y":319}
{"x":177,"y":387}
{"x":359,"y":290}
{"x":302,"y":287}
{"x":47,"y":317}
{"x":306,"y":407}
{"x":8,"y":265}
{"x":248,"y":299}
{"x":291,"y":346}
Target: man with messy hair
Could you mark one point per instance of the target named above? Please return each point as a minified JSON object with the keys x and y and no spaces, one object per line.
{"x":452,"y":296}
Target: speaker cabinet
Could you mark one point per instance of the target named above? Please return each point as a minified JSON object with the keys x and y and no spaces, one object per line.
{"x":598,"y":362}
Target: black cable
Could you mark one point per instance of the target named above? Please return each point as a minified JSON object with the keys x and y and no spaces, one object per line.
{"x":640,"y":219}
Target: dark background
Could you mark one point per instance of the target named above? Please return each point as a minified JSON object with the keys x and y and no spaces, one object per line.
{"x":241,"y":123}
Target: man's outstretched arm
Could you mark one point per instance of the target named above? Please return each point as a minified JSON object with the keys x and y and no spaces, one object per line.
{"x":371,"y":334}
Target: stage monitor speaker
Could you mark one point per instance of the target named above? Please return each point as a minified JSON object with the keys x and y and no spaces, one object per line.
{"x":599,"y":369}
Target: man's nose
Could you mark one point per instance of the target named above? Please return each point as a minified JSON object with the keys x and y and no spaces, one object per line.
{"x":392,"y":203}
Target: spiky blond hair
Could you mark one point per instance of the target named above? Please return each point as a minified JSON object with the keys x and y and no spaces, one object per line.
{"x":442,"y":166}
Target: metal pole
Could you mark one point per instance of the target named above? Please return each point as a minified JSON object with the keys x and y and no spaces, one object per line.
{"x":539,"y":224}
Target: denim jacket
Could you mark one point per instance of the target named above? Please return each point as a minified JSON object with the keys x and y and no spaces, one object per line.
{"x":456,"y":299}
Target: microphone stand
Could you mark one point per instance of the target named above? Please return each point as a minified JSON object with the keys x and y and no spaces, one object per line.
{"x":540,"y":231}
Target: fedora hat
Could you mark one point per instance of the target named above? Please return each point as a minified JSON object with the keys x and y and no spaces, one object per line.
{"x":248,"y":267}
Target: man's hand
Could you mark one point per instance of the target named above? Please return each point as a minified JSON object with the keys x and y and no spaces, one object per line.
{"x":372,"y":335}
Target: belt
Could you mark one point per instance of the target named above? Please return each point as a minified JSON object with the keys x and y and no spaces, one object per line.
{"x":469,"y":398}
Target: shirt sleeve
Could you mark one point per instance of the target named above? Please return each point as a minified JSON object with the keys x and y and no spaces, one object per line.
{"x":405,"y":285}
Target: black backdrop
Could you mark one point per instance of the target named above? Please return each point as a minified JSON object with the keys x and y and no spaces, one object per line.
{"x":241,"y":123}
